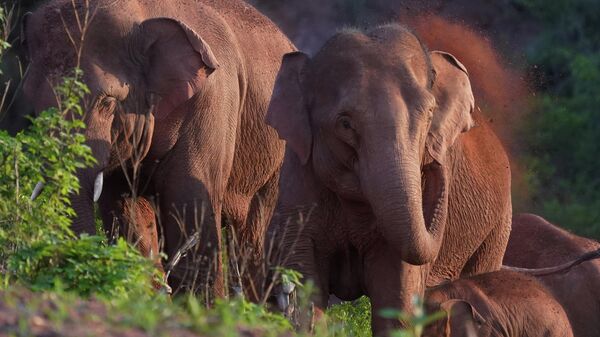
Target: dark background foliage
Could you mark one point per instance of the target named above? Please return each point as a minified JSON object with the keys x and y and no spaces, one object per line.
{"x":554,"y":139}
{"x":563,"y":132}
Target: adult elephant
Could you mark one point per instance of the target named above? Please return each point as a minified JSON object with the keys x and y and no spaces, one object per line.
{"x":179,"y":92}
{"x":536,"y":243}
{"x":392,"y":180}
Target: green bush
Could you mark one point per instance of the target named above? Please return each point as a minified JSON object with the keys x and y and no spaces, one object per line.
{"x":86,"y":266}
{"x":227,"y":316}
{"x":563,"y":132}
{"x":37,"y":247}
{"x":352,"y":318}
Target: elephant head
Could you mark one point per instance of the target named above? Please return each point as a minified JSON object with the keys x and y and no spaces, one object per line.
{"x":375,"y":115}
{"x":462,"y":320}
{"x":139,"y":71}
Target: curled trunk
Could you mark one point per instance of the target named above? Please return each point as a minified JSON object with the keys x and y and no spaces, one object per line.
{"x":411,"y":206}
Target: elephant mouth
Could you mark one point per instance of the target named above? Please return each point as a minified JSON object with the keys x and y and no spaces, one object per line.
{"x":433,"y":186}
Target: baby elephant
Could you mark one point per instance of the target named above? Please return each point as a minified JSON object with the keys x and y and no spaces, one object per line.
{"x":497,"y":304}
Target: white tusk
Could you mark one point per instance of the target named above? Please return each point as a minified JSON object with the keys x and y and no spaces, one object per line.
{"x":283,"y":302}
{"x":98,"y":183}
{"x":37,"y":190}
{"x":288,"y":287}
{"x":167,"y":289}
{"x":237,"y":290}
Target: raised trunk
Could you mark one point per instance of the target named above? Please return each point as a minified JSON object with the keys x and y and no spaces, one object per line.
{"x":411,"y":207}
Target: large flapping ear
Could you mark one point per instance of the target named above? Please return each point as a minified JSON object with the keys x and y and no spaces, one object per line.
{"x":176,"y":60}
{"x":455,"y":103}
{"x":463,"y":318}
{"x":287,"y":111}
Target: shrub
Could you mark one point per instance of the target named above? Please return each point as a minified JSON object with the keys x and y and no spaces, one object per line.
{"x":352,"y":318}
{"x":86,"y":266}
{"x":37,"y":247}
{"x":563,"y":133}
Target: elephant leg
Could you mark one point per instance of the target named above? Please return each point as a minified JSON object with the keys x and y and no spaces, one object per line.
{"x":235,"y":213}
{"x":288,"y":246}
{"x":130,"y":218}
{"x":111,"y":204}
{"x":488,"y":257}
{"x":391,"y":283}
{"x":250,"y":238}
{"x":314,"y":268}
{"x":140,"y":227}
{"x":190,"y":218}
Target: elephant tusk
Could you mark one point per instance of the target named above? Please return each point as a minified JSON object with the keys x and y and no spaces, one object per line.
{"x":288,"y":287}
{"x":237,"y":290}
{"x":37,"y":190}
{"x":283,"y":298}
{"x":167,"y":289}
{"x":98,"y":183}
{"x":283,"y":302}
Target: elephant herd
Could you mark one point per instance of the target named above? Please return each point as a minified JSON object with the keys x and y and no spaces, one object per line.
{"x":366,"y":167}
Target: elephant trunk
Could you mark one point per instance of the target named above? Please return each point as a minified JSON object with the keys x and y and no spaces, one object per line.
{"x":411,"y":207}
{"x":83,"y":204}
{"x":84,"y":222}
{"x":134,"y":133}
{"x":91,"y":181}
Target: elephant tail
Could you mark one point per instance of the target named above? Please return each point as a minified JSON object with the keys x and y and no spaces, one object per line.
{"x":562,"y":268}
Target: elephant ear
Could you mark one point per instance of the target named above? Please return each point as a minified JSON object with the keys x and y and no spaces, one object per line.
{"x":176,"y":61}
{"x":463,"y":318}
{"x":455,"y":103}
{"x":287,"y":111}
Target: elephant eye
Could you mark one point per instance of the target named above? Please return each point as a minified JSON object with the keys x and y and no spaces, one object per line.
{"x":345,"y":122}
{"x":345,"y":130}
{"x":108,"y":104}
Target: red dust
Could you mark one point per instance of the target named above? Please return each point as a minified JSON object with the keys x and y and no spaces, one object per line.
{"x":496,"y":86}
{"x":500,"y":91}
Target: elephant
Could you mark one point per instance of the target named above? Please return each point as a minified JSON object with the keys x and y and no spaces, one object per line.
{"x":140,"y":217}
{"x":139,"y":214}
{"x":392,"y":180}
{"x":496,"y":304}
{"x":536,"y":243}
{"x":175,"y":113}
